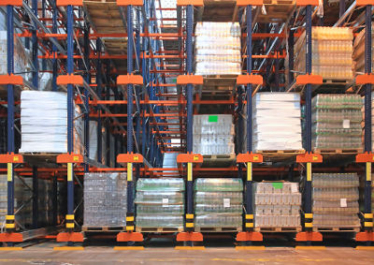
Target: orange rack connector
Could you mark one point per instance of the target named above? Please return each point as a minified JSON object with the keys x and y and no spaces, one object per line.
{"x":365,"y":79}
{"x":70,"y":158}
{"x":309,"y":158}
{"x":309,"y":79}
{"x":70,"y":237}
{"x":11,"y":2}
{"x":249,"y":157}
{"x":367,"y":236}
{"x":249,"y":2}
{"x":190,"y":79}
{"x":11,"y":158}
{"x":189,"y":237}
{"x":249,"y":79}
{"x":130,"y":79}
{"x":129,"y":2}
{"x":11,"y":237}
{"x":130,"y":237}
{"x":365,"y":157}
{"x":190,"y":158}
{"x":307,"y":2}
{"x":11,"y":80}
{"x":249,"y":236}
{"x":69,"y":2}
{"x":309,"y":236}
{"x":69,"y":79}
{"x":190,"y":2}
{"x":130,"y":158}
{"x":364,"y":2}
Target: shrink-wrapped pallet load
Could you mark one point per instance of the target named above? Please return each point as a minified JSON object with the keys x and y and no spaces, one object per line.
{"x":217,"y":48}
{"x":105,"y":200}
{"x":218,"y":204}
{"x":159,"y":204}
{"x":213,"y":134}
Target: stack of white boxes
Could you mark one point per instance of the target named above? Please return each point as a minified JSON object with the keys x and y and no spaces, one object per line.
{"x":105,"y":199}
{"x":217,"y":48}
{"x":277,"y":205}
{"x":213,"y":134}
{"x":276,"y":122}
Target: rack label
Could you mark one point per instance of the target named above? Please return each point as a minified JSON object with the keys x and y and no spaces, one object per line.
{"x":343,"y":203}
{"x":165,"y":202}
{"x":213,"y":118}
{"x":226,"y":202}
{"x":346,"y":124}
{"x":277,"y":185}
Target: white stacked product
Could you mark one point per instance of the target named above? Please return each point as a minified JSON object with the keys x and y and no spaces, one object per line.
{"x":213,"y":134}
{"x":160,"y":203}
{"x":276,"y":122}
{"x":217,"y":48}
{"x":105,"y":199}
{"x":44,"y":123}
{"x":218,"y":203}
{"x":335,"y":200}
{"x":332,"y":50}
{"x":336,"y":121}
{"x":277,"y":205}
{"x":359,"y":51}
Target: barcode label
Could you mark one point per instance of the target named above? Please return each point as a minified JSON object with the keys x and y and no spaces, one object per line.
{"x":226,"y":202}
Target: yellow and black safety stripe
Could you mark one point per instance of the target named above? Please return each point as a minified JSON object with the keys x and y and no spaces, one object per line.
{"x":249,"y":221}
{"x":190,"y":221}
{"x":308,"y":220}
{"x":130,"y":219}
{"x":70,"y":221}
{"x":368,"y":220}
{"x":10,"y":222}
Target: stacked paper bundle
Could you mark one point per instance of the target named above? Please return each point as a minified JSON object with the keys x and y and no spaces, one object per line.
{"x":218,"y":203}
{"x":105,"y":199}
{"x":335,"y":200}
{"x":277,"y":205}
{"x":359,"y":51}
{"x":160,"y":203}
{"x":213,"y":134}
{"x":44,"y":123}
{"x":336,"y":121}
{"x":268,"y":132}
{"x":217,"y":48}
{"x":332,"y":51}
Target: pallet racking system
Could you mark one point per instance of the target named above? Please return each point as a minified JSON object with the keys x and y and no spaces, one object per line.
{"x":156,"y":83}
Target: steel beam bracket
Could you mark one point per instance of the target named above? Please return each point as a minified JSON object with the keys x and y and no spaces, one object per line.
{"x":69,"y":79}
{"x":11,"y":237}
{"x":70,"y":237}
{"x":249,"y":158}
{"x":249,"y":2}
{"x":249,"y":237}
{"x":69,"y":158}
{"x":249,"y":79}
{"x":11,"y":2}
{"x":129,"y":2}
{"x":364,"y":2}
{"x":302,"y":80}
{"x":367,"y":157}
{"x":367,"y":236}
{"x":190,"y":79}
{"x":365,"y":79}
{"x":130,"y":79}
{"x":309,"y":237}
{"x":130,"y":237}
{"x":190,"y":2}
{"x":309,"y":158}
{"x":11,"y":158}
{"x":190,"y":158}
{"x":11,"y":79}
{"x":130,"y":158}
{"x":307,"y":2}
{"x":189,"y":237}
{"x":69,"y":2}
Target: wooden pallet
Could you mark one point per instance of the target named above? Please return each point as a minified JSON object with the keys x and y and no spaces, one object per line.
{"x":218,"y":160}
{"x":279,"y":154}
{"x":220,"y":81}
{"x":278,"y":229}
{"x":213,"y":10}
{"x":218,"y":229}
{"x":158,"y":230}
{"x":336,"y":229}
{"x":331,"y":151}
{"x":277,"y":11}
{"x":103,"y":228}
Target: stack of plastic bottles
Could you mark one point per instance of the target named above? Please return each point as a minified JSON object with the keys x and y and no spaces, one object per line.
{"x":336,"y":121}
{"x":335,"y":200}
{"x":359,"y":51}
{"x":218,"y":203}
{"x":277,"y":205}
{"x":217,"y":48}
{"x":332,"y":49}
{"x":105,"y":199}
{"x":160,"y":203}
{"x":213,"y":134}
{"x":268,"y":132}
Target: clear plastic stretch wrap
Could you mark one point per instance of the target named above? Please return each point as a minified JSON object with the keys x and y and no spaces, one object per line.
{"x":105,"y":199}
{"x":277,"y":204}
{"x":332,"y":53}
{"x":213,"y":134}
{"x":336,"y":121}
{"x":268,"y":132}
{"x":218,"y":203}
{"x":359,"y":51}
{"x":44,"y":126}
{"x":160,"y":203}
{"x":335,"y":200}
{"x":217,"y":48}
